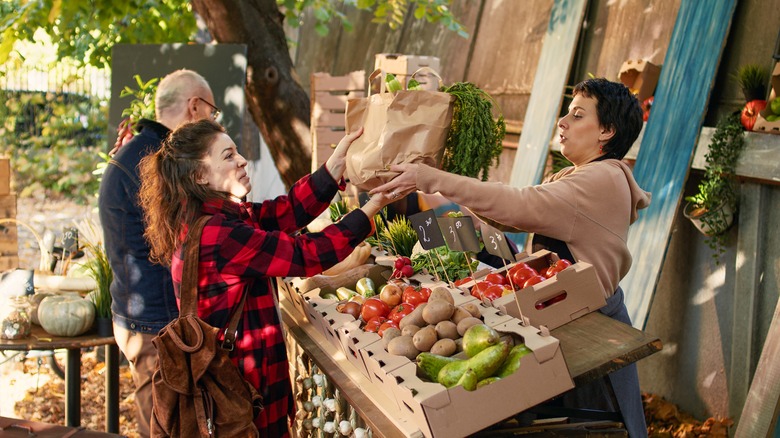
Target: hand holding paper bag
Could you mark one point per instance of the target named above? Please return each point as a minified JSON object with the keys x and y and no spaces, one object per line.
{"x":403,"y":127}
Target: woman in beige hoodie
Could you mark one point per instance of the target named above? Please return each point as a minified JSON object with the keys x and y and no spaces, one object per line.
{"x":582,"y":212}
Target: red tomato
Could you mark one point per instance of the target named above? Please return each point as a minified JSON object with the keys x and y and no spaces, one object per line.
{"x":562,"y":264}
{"x":426,"y":293}
{"x":478,"y":290}
{"x":750,"y":113}
{"x":462,"y":281}
{"x":519,"y":276}
{"x":496,"y":278}
{"x":374,"y":323}
{"x":413,"y":296}
{"x":374,"y":307}
{"x":531,"y":281}
{"x":493,"y":292}
{"x":399,"y":311}
{"x":386,"y":325}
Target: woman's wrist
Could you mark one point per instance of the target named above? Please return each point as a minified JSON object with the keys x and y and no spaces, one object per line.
{"x":335,"y":168}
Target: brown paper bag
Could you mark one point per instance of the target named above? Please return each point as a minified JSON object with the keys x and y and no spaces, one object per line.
{"x":401,"y":127}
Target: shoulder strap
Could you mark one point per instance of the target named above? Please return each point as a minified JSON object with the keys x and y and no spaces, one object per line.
{"x":189,"y":283}
{"x":124,"y":169}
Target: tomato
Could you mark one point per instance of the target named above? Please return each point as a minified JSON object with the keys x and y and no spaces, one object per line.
{"x":493,"y":292}
{"x":519,"y":276}
{"x":398,"y":312}
{"x":374,"y":323}
{"x":562,"y":264}
{"x":413,"y":296}
{"x":496,"y":278}
{"x":462,"y":281}
{"x":530,"y":282}
{"x":386,"y":325}
{"x":426,"y":293}
{"x":374,"y":307}
{"x":478,"y":289}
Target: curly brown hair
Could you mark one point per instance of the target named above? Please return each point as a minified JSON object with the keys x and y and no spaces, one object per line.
{"x":170,"y":195}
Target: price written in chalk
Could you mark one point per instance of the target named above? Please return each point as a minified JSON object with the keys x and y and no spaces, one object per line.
{"x":459,"y":233}
{"x":427,"y":228}
{"x":495,"y":242}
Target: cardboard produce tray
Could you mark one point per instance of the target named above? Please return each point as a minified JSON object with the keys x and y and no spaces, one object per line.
{"x":455,"y":412}
{"x":572,"y":293}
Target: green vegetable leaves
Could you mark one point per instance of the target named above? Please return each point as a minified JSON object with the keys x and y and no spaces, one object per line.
{"x":475,"y":139}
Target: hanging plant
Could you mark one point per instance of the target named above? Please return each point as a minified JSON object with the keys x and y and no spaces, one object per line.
{"x":713,"y":207}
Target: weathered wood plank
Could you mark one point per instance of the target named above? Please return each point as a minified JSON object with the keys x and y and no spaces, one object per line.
{"x":589,"y":357}
{"x":758,"y":160}
{"x":670,"y":136}
{"x":746,"y":288}
{"x":549,"y":80}
{"x":759,"y":416}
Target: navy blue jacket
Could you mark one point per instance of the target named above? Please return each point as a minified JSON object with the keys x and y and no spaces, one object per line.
{"x":142,"y":292}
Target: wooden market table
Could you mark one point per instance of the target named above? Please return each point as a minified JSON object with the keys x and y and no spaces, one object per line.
{"x":40,"y":340}
{"x":593,"y":346}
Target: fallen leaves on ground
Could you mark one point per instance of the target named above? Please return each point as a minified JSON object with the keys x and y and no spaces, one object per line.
{"x":47,"y":402}
{"x":665,"y":419}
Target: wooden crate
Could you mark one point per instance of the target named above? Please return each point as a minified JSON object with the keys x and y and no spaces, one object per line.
{"x":5,"y":176}
{"x":9,"y":242}
{"x":329,"y":96}
{"x":403,"y":66}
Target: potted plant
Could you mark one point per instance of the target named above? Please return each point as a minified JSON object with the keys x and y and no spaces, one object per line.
{"x":752,"y":79}
{"x":713,"y":207}
{"x":98,"y":268}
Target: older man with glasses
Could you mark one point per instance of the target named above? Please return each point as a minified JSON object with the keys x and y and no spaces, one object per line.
{"x":142,"y":292}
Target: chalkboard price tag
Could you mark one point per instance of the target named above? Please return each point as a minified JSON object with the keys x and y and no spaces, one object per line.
{"x":459,"y":233}
{"x":70,"y":240}
{"x":427,"y":228}
{"x":495,"y":242}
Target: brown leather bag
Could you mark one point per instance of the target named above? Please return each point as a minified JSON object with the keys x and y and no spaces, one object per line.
{"x":196,"y":389}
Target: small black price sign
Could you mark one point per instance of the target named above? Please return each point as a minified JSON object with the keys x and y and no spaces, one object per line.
{"x":70,"y":240}
{"x":495,"y":242}
{"x":459,"y":233}
{"x":427,"y":229}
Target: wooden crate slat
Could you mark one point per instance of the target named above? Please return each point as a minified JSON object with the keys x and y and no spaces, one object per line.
{"x":329,"y":119}
{"x":351,"y":81}
{"x":7,"y":206}
{"x":328,"y":101}
{"x":9,"y":262}
{"x":5,"y":176}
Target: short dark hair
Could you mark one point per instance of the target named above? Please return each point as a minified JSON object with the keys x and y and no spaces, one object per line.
{"x":617,"y":109}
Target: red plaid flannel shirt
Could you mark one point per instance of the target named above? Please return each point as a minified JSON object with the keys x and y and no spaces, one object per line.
{"x":247,"y":244}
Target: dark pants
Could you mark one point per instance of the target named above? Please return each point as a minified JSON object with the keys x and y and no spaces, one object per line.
{"x":624,"y":382}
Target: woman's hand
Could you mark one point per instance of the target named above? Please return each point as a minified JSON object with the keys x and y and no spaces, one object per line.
{"x":337,"y":162}
{"x":401,"y":185}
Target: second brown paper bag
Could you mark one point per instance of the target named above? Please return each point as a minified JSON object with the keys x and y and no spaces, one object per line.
{"x":401,"y":127}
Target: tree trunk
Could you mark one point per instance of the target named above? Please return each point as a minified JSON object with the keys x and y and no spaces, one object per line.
{"x":278,"y":104}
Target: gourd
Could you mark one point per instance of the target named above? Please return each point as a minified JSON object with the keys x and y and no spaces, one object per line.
{"x":35,"y":301}
{"x":66,"y":315}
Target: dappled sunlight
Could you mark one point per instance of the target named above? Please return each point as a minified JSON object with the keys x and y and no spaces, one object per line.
{"x":709,"y":289}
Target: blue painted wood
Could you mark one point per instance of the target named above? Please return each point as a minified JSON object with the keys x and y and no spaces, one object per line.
{"x":670,"y":136}
{"x":541,"y":117}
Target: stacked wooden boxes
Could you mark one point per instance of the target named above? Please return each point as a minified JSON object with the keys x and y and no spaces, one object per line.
{"x":403,"y":66}
{"x":329,"y":96}
{"x":9,"y":247}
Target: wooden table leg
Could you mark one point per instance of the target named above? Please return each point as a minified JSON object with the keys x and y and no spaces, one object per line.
{"x":73,"y":388}
{"x":112,"y":388}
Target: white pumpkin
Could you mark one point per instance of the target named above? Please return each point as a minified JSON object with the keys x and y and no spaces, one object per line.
{"x":66,"y":315}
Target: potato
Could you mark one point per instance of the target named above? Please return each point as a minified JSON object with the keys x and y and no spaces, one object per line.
{"x":425,"y":338}
{"x":447,"y":329}
{"x":464,"y":324}
{"x":389,"y":334}
{"x":437,"y":311}
{"x":414,"y":318}
{"x":410,"y":330}
{"x":441,"y":293}
{"x":460,"y":314}
{"x":473,"y":309}
{"x":444,"y":347}
{"x":403,"y":346}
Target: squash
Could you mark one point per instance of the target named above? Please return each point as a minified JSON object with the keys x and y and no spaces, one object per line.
{"x":66,"y":315}
{"x":35,"y":301}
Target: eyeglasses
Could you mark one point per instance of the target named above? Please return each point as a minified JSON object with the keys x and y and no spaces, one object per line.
{"x":215,"y":112}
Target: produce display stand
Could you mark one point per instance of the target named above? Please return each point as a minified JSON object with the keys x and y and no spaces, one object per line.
{"x":593,"y":346}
